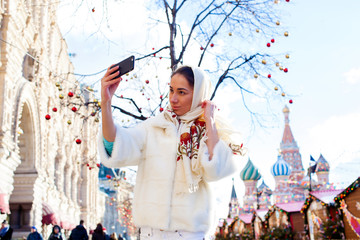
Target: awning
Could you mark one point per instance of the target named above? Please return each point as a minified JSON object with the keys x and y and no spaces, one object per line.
{"x":4,"y":204}
{"x":48,"y":215}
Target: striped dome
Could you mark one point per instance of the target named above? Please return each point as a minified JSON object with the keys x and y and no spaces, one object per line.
{"x":322,"y":165}
{"x":281,"y":168}
{"x":250,"y":172}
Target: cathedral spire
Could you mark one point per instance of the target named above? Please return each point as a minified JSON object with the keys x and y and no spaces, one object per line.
{"x":288,"y":140}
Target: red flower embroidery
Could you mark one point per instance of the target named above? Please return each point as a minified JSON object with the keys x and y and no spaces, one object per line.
{"x":185,"y":138}
{"x":193,"y":130}
{"x":200,"y":122}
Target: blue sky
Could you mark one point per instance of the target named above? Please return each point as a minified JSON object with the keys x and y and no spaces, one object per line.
{"x":323,"y":77}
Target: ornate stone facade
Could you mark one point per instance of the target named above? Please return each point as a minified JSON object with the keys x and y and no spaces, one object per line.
{"x":40,"y":163}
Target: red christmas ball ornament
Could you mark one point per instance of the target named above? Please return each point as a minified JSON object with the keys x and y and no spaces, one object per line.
{"x":212,"y":45}
{"x":154,"y":54}
{"x":161,"y":109}
{"x":124,"y":178}
{"x":287,"y":0}
{"x":87,"y":164}
{"x":54,"y":109}
{"x":272,"y":40}
{"x":160,"y":58}
{"x":148,"y":99}
{"x":121,"y":96}
{"x":286,"y":70}
{"x":153,"y":49}
{"x":93,"y":113}
{"x":74,"y":109}
{"x":201,"y":48}
{"x":98,"y":165}
{"x":147,"y":81}
{"x":47,"y":117}
{"x":78,"y":141}
{"x":93,"y":10}
{"x":90,"y":168}
{"x":108,"y":176}
{"x":161,"y":96}
{"x":70,"y":94}
{"x":268,"y":44}
{"x":290,"y":101}
{"x":269,"y":75}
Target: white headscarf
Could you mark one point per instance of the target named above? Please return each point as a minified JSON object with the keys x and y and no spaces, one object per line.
{"x":193,"y":135}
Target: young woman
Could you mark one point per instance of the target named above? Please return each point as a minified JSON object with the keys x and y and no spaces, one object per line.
{"x":56,"y":233}
{"x":177,"y":153}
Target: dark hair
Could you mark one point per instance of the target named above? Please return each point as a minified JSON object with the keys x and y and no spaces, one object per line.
{"x":81,"y":222}
{"x":56,"y":226}
{"x":187,"y":72}
{"x":99,"y":228}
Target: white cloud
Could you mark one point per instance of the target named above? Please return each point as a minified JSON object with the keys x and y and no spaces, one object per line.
{"x":352,"y":76}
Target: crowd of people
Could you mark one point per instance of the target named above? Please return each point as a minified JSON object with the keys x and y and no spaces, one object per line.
{"x":78,"y":233}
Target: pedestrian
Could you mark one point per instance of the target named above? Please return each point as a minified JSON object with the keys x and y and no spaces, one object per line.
{"x":98,"y":233}
{"x":107,"y":237}
{"x":56,"y":233}
{"x":34,"y":234}
{"x":120,"y":237}
{"x":6,"y":231}
{"x":113,"y":236}
{"x":178,"y":152}
{"x":79,"y":232}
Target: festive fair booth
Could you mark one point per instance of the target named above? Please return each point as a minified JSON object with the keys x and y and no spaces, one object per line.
{"x":259,"y":222}
{"x":321,"y":214}
{"x":241,"y":225}
{"x":286,"y":216}
{"x":349,"y":202}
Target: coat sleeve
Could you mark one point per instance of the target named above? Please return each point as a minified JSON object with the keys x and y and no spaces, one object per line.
{"x":221,"y":165}
{"x":127,"y":149}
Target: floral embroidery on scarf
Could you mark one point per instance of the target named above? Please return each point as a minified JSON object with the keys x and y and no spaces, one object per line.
{"x":190,"y":141}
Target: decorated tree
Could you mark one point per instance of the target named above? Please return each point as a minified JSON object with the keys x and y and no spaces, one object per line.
{"x":236,"y":42}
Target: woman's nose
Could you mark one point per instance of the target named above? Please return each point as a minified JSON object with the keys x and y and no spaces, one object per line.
{"x":173,"y":98}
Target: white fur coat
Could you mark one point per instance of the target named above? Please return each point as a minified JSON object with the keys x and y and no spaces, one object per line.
{"x":152,"y":146}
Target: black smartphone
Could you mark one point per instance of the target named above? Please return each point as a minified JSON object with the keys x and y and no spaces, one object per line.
{"x":125,"y":66}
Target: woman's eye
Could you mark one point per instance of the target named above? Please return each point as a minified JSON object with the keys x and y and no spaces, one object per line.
{"x":171,"y":90}
{"x":182,"y":92}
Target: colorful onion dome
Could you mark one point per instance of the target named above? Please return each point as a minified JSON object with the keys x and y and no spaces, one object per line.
{"x":281,"y":168}
{"x":322,"y":165}
{"x":250,"y":172}
{"x":264,"y":189}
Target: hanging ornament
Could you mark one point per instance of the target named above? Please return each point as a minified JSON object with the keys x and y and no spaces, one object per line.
{"x":278,"y":22}
{"x":287,"y":56}
{"x":47,"y":116}
{"x":69,"y":122}
{"x":286,"y":70}
{"x":276,"y":1}
{"x":70,"y":94}
{"x":281,"y":68}
{"x":93,"y":113}
{"x":54,"y":109}
{"x":161,"y":96}
{"x":268,"y":44}
{"x":161,"y":109}
{"x":272,"y":40}
{"x":78,"y":141}
{"x":290,"y":101}
{"x":283,"y":94}
{"x":263,"y":61}
{"x":98,"y":165}
{"x":93,"y":9}
{"x":257,"y":30}
{"x":78,"y":96}
{"x":287,"y":0}
{"x":90,"y":168}
{"x":286,"y":34}
{"x":60,"y":88}
{"x":256,"y":75}
{"x":277,"y":64}
{"x":108,"y":176}
{"x":201,"y":48}
{"x":212,"y":45}
{"x":230,"y":34}
{"x":57,"y":84}
{"x":61,"y":96}
{"x":74,"y":109}
{"x":147,"y":81}
{"x":269,"y":75}
{"x":97,"y":120}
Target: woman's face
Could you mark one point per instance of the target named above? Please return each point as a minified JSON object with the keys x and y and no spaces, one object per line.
{"x":56,"y":230}
{"x":181,"y":94}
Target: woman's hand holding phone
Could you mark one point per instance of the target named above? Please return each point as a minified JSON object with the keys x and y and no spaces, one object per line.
{"x":109,"y":84}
